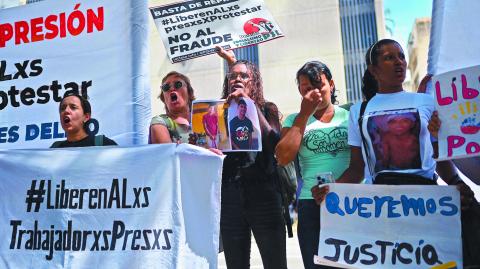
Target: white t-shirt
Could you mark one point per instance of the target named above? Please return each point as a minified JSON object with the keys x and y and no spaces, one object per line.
{"x":396,"y":134}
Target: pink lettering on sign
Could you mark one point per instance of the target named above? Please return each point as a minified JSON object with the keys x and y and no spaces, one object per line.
{"x":468,"y":93}
{"x":455,"y":141}
{"x":444,"y":101}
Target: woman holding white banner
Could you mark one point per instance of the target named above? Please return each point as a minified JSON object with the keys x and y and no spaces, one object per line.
{"x":318,"y":134}
{"x":251,"y":201}
{"x":75,"y":114}
{"x":394,"y":112}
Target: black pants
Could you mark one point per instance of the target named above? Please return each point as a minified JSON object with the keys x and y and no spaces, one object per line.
{"x":308,"y":231}
{"x":252,"y":208}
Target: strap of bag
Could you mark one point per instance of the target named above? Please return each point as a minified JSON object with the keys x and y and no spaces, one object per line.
{"x":288,"y":221}
{"x":286,"y":214}
{"x":363,"y":107}
{"x":171,"y":126}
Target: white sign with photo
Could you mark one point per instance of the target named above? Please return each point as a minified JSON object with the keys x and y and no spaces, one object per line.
{"x":227,"y":127}
{"x":244,"y":126}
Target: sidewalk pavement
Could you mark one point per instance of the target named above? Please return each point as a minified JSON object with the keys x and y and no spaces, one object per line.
{"x":294,"y":257}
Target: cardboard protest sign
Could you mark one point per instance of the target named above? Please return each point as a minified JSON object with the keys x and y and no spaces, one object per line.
{"x":448,"y":34}
{"x":458,"y":103}
{"x":209,"y":125}
{"x":233,"y":127}
{"x":114,"y":208}
{"x":384,"y":226}
{"x":92,"y":47}
{"x":192,"y":29}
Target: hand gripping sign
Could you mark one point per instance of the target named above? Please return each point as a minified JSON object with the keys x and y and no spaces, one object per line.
{"x":192,"y":29}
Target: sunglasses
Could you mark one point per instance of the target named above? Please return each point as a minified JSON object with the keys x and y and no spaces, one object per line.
{"x":177,"y":85}
{"x":234,"y":75}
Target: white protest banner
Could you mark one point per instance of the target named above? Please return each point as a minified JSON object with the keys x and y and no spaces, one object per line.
{"x":192,"y":29}
{"x":457,"y":103}
{"x":153,"y":206}
{"x":382,"y":226}
{"x":95,"y":47}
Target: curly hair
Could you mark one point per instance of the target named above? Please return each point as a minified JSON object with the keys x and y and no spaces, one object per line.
{"x":255,"y":83}
{"x":190,"y":91}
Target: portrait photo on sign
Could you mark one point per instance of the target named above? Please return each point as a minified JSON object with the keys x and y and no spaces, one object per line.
{"x":244,"y":126}
{"x":394,"y":138}
{"x":209,"y":126}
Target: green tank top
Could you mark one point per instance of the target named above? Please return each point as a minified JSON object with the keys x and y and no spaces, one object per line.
{"x":179,"y":133}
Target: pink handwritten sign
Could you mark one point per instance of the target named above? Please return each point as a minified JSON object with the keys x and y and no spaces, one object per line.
{"x":457,"y":102}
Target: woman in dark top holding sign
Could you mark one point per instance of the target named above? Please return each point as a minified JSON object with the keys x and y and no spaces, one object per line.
{"x":75,"y":112}
{"x":251,"y":201}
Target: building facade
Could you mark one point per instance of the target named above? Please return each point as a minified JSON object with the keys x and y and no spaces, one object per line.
{"x":418,"y":43}
{"x":10,"y":3}
{"x":360,"y":30}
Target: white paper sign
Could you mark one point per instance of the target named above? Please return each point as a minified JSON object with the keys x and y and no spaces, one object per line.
{"x":382,"y":226}
{"x":457,"y":102}
{"x":95,"y":47}
{"x":154,"y":206}
{"x":192,"y":29}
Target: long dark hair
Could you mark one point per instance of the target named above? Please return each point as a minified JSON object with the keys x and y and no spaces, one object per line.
{"x":256,"y":85}
{"x":369,"y":84}
{"x":312,"y":70}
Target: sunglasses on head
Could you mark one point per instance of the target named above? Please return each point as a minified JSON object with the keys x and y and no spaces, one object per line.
{"x":177,"y":85}
{"x":234,"y":75}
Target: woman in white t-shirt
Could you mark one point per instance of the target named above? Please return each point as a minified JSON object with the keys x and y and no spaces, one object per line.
{"x":386,"y":71}
{"x":414,"y":164}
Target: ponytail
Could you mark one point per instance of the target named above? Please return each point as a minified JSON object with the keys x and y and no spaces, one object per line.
{"x":369,"y":85}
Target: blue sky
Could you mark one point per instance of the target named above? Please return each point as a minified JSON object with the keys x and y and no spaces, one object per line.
{"x":401,"y":14}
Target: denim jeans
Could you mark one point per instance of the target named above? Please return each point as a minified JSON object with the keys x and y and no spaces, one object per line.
{"x":252,"y":208}
{"x":308,"y":231}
